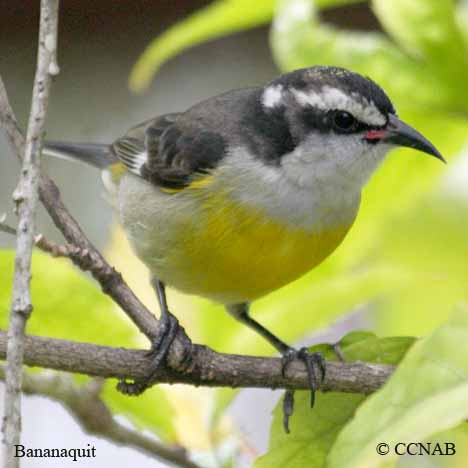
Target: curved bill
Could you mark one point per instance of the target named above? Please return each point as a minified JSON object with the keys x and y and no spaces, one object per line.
{"x":401,"y":134}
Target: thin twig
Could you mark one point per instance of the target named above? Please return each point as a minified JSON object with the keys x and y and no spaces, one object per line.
{"x":46,"y":245}
{"x":6,"y":228}
{"x":52,"y":248}
{"x":94,"y":417}
{"x":208,"y":368}
{"x":26,"y":198}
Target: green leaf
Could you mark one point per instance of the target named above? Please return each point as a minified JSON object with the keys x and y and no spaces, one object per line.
{"x":300,"y":39}
{"x":426,"y":394}
{"x":428,"y":31}
{"x":459,"y":437}
{"x":312,"y":434}
{"x":218,"y":19}
{"x":461,"y":16}
{"x":314,"y":431}
{"x":355,"y":337}
{"x":427,"y":28}
{"x":430,"y":248}
{"x":387,"y":350}
{"x":67,"y":304}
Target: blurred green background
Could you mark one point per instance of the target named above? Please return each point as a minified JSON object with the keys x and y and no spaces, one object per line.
{"x":402,"y":271}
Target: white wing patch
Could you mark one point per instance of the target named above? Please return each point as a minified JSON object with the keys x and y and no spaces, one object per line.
{"x":135,"y":162}
{"x":333,"y":98}
{"x":272,"y":96}
{"x":131,"y":153}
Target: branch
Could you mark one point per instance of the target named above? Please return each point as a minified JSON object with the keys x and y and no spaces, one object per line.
{"x":94,"y":417}
{"x":6,"y":228}
{"x":207,"y":368}
{"x":42,"y":243}
{"x":26,"y":198}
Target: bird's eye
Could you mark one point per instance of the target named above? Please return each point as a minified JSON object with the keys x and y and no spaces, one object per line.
{"x":343,"y":121}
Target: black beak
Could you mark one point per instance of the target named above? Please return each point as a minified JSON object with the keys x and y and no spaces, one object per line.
{"x":400,"y":134}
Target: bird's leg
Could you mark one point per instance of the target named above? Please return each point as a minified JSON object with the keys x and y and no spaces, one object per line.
{"x":168,"y":327}
{"x":241,"y":313}
{"x":167,"y":331}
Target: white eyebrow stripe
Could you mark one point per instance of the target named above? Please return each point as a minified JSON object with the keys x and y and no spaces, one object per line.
{"x":333,"y":98}
{"x":272,"y":96}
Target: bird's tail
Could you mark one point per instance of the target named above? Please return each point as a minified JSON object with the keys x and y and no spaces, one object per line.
{"x":97,"y":155}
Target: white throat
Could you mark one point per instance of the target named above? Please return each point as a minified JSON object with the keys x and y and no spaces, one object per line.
{"x":310,"y":190}
{"x":342,"y":164}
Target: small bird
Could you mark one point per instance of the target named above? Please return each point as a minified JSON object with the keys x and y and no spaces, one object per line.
{"x":248,"y":190}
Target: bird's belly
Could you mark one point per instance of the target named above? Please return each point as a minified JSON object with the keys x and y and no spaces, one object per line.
{"x":245,"y":265}
{"x":213,"y":246}
{"x":235,"y":254}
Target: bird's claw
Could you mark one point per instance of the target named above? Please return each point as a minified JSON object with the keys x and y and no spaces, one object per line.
{"x":159,"y":350}
{"x":310,"y":360}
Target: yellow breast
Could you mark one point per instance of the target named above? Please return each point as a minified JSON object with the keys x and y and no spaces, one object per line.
{"x":232,"y":253}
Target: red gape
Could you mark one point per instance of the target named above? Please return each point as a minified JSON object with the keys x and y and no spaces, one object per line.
{"x":375,"y":134}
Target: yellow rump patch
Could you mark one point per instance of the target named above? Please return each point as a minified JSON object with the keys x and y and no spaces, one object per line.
{"x":117,"y":170}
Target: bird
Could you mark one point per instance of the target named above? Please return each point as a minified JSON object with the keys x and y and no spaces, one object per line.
{"x":248,"y":190}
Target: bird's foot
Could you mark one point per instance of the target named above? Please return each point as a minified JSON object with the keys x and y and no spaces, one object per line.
{"x":311,"y":361}
{"x":168,"y":329}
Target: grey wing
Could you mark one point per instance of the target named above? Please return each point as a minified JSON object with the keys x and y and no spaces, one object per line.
{"x":168,"y":152}
{"x":131,"y":148}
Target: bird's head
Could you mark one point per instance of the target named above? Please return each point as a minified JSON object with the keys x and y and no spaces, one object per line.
{"x":340,"y":121}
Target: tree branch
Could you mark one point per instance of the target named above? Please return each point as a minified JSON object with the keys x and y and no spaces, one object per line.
{"x":42,"y":243}
{"x":94,"y":417}
{"x":6,"y":228}
{"x":207,"y":367}
{"x":26,"y":198}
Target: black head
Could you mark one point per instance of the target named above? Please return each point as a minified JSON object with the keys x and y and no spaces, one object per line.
{"x":335,"y":100}
{"x":351,"y":84}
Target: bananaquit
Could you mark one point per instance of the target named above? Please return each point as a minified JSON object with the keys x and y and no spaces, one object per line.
{"x":247,"y":191}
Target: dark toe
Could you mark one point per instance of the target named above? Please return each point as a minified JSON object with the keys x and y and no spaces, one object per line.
{"x":158,"y":353}
{"x":134,"y":388}
{"x":288,"y":408}
{"x":311,"y":361}
{"x":162,"y":344}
